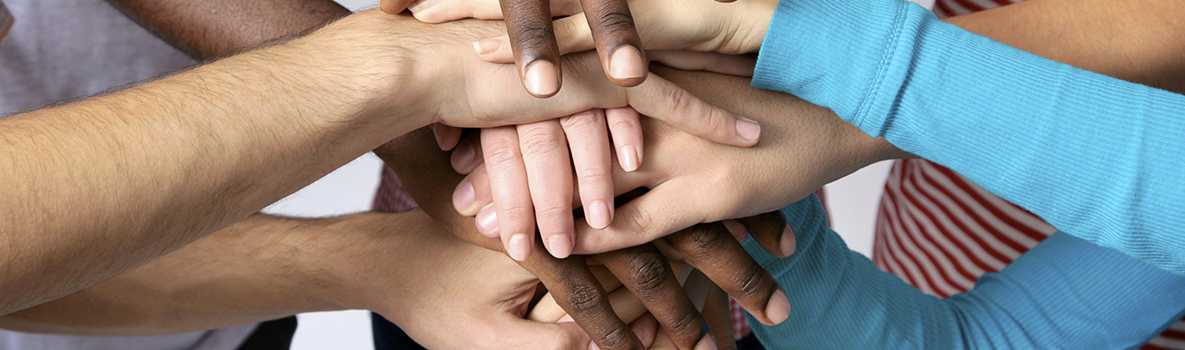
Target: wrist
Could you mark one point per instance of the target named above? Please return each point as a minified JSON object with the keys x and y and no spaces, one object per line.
{"x":747,"y":26}
{"x":344,"y":265}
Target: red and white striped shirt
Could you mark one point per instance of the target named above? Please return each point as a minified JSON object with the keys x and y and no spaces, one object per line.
{"x":939,"y":232}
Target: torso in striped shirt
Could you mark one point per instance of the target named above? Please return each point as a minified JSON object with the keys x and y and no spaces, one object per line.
{"x":939,"y":232}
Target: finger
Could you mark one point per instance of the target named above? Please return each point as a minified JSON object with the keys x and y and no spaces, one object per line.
{"x":588,"y":138}
{"x":447,"y":137}
{"x":617,"y":40}
{"x":549,"y":177}
{"x":437,"y":11}
{"x":576,"y":290}
{"x":647,"y":274}
{"x":645,"y":328}
{"x":528,"y":24}
{"x":394,"y":6}
{"x":672,"y":104}
{"x":516,"y":333}
{"x":721,"y":258}
{"x":572,"y":34}
{"x":508,"y":185}
{"x":771,"y":231}
{"x":718,"y":314}
{"x":625,"y":304}
{"x":473,"y":193}
{"x":466,"y":154}
{"x":626,"y":127}
{"x":660,"y":212}
{"x":737,"y":65}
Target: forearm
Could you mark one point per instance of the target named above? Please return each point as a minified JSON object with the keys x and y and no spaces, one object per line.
{"x":1105,"y":149}
{"x":1131,"y":40}
{"x":217,"y":28}
{"x":1065,"y":293}
{"x":101,"y":185}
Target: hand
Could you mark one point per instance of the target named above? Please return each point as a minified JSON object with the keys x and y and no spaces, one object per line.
{"x":426,"y":173}
{"x":531,"y":36}
{"x":436,"y":287}
{"x":666,"y":24}
{"x":693,"y":182}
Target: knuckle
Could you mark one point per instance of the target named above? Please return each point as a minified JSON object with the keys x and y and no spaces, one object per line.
{"x":615,"y":20}
{"x":584,"y":297}
{"x":536,"y":38}
{"x":592,"y":175}
{"x":642,"y":220}
{"x":580,"y":121}
{"x":648,"y":271}
{"x":553,"y":211}
{"x":615,"y":337}
{"x":537,"y":142}
{"x":749,"y":281}
{"x":500,"y":153}
{"x":685,"y":325}
{"x":702,"y":240}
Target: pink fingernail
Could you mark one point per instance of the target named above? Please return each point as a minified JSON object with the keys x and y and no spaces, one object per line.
{"x":788,"y":243}
{"x":487,"y":221}
{"x":559,"y":245}
{"x":628,"y":156}
{"x":464,"y":197}
{"x":737,"y":229}
{"x":464,"y":159}
{"x":778,"y":308}
{"x":518,"y":247}
{"x":598,"y":214}
{"x":542,"y":79}
{"x":748,"y":129}
{"x":486,"y":46}
{"x":708,"y":342}
{"x":626,"y":63}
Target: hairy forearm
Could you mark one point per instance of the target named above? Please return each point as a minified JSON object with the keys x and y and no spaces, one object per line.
{"x":216,"y":28}
{"x":101,"y":185}
{"x":1132,"y":40}
{"x":240,"y":274}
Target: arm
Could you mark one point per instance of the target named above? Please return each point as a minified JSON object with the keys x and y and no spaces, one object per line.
{"x":1106,"y":150}
{"x":1065,"y":293}
{"x":101,"y":185}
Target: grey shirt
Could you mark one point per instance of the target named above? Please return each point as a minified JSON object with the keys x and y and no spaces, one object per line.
{"x":60,"y":50}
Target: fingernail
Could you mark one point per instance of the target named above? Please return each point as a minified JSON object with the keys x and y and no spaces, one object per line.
{"x":628,"y":156}
{"x":421,"y":5}
{"x":541,"y":78}
{"x":598,"y":214}
{"x":566,"y":319}
{"x":748,"y":129}
{"x":464,"y":197}
{"x":737,"y":230}
{"x":487,"y":221}
{"x":778,"y":308}
{"x":464,"y":158}
{"x":518,"y":247}
{"x":627,"y":63}
{"x":708,"y":342}
{"x":560,"y":245}
{"x":486,"y":46}
{"x":593,"y":346}
{"x":788,"y":243}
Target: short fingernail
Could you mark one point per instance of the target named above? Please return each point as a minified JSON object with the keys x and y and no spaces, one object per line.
{"x":421,"y":5}
{"x":788,"y":243}
{"x":708,"y":342}
{"x":542,"y":79}
{"x":778,"y":308}
{"x":560,"y":245}
{"x":464,"y":197}
{"x":598,"y":214}
{"x":593,"y":346}
{"x":628,"y":156}
{"x":486,"y":46}
{"x":737,"y":230}
{"x":566,"y":319}
{"x":465,"y":158}
{"x":518,"y":247}
{"x":626,"y":63}
{"x":748,"y":129}
{"x":487,"y":221}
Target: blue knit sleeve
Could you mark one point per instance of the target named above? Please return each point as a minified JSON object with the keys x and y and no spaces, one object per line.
{"x":1065,"y":293}
{"x":1097,"y":157}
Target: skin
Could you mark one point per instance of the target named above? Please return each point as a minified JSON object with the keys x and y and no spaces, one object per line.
{"x":258,"y":101}
{"x":1052,"y":28}
{"x":570,"y":275}
{"x":5,"y":21}
{"x":533,"y":40}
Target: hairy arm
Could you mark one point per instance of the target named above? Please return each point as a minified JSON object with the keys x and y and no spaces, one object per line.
{"x":101,"y":185}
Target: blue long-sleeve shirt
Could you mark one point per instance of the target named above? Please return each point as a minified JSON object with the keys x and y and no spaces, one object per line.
{"x":1097,"y":157}
{"x":1065,"y":293}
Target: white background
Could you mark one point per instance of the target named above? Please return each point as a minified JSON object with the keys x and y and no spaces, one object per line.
{"x":350,"y":189}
